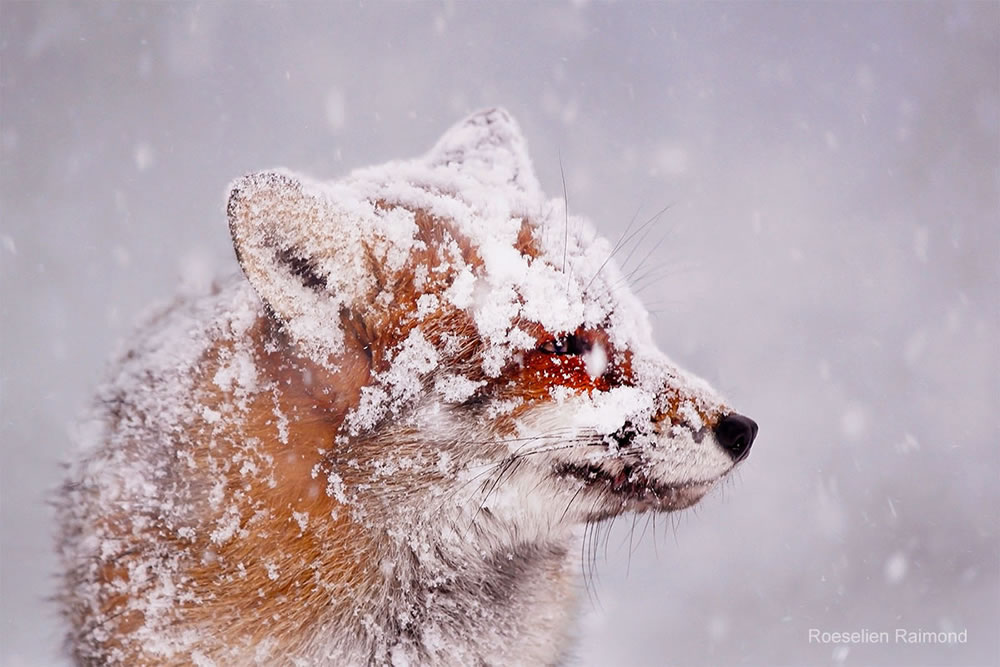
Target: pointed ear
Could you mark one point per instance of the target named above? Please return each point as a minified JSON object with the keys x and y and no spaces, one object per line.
{"x":489,"y":146}
{"x":299,"y":254}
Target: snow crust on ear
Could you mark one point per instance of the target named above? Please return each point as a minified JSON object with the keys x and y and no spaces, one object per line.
{"x":489,"y":145}
{"x":301,"y":252}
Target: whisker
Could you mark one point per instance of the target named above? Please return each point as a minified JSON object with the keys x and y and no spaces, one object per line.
{"x":648,"y":228}
{"x":570,"y":503}
{"x":652,"y":276}
{"x":588,"y":557}
{"x":504,"y":466}
{"x":607,"y":536}
{"x":615,"y":248}
{"x":658,"y":272}
{"x":648,"y":254}
{"x":631,"y":533}
{"x":645,"y":526}
{"x":656,"y":548}
{"x":502,"y":441}
{"x":594,"y":549}
{"x":583,"y":560}
{"x":623,"y":242}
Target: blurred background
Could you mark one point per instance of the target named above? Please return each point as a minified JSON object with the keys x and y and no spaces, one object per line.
{"x":830,"y":264}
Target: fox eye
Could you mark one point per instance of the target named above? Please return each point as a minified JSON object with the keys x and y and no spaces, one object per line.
{"x":571,"y":344}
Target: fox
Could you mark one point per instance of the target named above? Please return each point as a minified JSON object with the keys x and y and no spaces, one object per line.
{"x":379,"y":442}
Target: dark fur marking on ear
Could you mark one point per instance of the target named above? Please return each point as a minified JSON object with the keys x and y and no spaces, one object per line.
{"x":302,"y":268}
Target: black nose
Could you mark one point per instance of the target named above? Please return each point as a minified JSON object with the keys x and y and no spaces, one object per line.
{"x":736,"y":433}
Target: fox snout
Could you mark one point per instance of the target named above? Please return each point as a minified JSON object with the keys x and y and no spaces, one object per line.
{"x":735,"y":434}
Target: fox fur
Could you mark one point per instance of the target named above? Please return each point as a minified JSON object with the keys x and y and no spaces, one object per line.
{"x":378,"y":445}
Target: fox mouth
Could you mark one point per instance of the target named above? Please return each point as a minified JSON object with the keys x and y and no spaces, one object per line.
{"x":635,"y":489}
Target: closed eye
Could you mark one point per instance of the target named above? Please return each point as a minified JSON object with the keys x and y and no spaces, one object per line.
{"x":571,"y":344}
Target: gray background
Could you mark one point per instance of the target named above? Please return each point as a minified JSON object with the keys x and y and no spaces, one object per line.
{"x":831,"y":266}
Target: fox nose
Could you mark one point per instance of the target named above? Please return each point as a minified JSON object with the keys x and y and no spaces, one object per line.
{"x":736,"y":433}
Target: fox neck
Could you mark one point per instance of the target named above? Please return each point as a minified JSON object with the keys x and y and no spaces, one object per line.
{"x":443,"y":566}
{"x":466,"y":588}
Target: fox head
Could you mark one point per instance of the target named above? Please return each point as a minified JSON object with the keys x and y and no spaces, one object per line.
{"x":474,"y":346}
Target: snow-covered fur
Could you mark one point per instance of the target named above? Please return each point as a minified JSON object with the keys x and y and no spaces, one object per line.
{"x":380,"y":445}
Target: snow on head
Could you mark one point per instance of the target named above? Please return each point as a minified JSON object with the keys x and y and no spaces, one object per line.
{"x":489,"y":147}
{"x":464,"y":229}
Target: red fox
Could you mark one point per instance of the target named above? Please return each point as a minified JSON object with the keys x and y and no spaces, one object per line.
{"x":379,"y":444}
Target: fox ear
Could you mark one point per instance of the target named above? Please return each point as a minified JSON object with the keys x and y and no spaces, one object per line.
{"x":489,"y":146}
{"x":298,"y":253}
